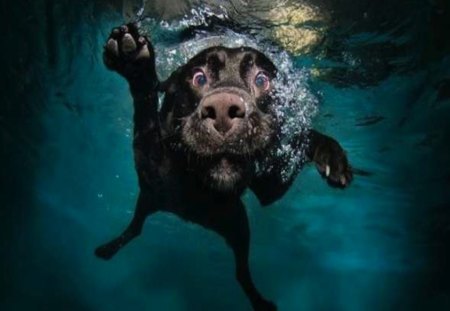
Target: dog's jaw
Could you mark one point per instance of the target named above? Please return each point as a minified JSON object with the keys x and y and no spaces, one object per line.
{"x":225,"y":175}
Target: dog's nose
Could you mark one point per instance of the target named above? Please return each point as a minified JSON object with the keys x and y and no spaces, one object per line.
{"x":224,"y":110}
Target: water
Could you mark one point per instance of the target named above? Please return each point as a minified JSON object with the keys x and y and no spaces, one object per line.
{"x":374,"y":75}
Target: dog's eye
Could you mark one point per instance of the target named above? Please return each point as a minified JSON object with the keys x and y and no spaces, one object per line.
{"x":262,"y":81}
{"x":199,"y":79}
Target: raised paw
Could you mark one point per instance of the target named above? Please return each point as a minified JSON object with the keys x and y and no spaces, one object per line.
{"x":129,"y":53}
{"x":332,"y":163}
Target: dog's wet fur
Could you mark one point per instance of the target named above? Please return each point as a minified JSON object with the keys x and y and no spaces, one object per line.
{"x":197,"y":154}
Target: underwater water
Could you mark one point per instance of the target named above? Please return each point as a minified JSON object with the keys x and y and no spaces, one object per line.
{"x":373,"y":74}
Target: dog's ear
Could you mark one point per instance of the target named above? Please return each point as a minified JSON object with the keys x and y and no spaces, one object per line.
{"x":171,"y":88}
{"x":170,"y":84}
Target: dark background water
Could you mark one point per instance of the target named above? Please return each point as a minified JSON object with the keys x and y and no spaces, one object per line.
{"x":68,"y":183}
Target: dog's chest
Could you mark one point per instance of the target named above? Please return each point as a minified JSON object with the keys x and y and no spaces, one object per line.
{"x":194,"y":203}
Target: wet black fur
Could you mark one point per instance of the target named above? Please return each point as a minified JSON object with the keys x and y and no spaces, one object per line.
{"x":170,"y":177}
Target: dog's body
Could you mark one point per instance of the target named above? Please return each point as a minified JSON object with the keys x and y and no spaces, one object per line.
{"x":197,"y":155}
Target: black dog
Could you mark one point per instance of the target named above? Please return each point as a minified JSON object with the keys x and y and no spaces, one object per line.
{"x":200,"y":151}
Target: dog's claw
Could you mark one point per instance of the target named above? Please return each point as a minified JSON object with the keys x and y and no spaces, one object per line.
{"x":332,"y":163}
{"x":115,"y":33}
{"x":124,"y":28}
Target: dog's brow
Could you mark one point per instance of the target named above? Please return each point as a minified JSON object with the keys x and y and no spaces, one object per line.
{"x":215,"y":63}
{"x":246,"y":63}
{"x":264,"y":62}
{"x":216,"y":59}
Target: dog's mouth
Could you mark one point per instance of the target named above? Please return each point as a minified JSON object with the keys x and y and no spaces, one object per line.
{"x":250,"y":138}
{"x":226,"y":163}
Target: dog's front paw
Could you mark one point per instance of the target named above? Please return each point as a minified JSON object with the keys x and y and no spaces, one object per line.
{"x":129,"y":53}
{"x":332,"y":163}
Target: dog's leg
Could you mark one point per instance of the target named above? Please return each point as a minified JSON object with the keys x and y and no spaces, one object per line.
{"x":131,"y":54}
{"x":235,"y":229}
{"x":330,"y":159}
{"x":143,"y":209}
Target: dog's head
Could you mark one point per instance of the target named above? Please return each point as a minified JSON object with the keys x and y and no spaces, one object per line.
{"x":219,"y":106}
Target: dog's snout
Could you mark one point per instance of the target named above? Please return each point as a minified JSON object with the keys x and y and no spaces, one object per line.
{"x":224,"y":110}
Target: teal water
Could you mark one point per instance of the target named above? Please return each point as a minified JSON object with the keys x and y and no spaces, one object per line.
{"x":68,"y":181}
